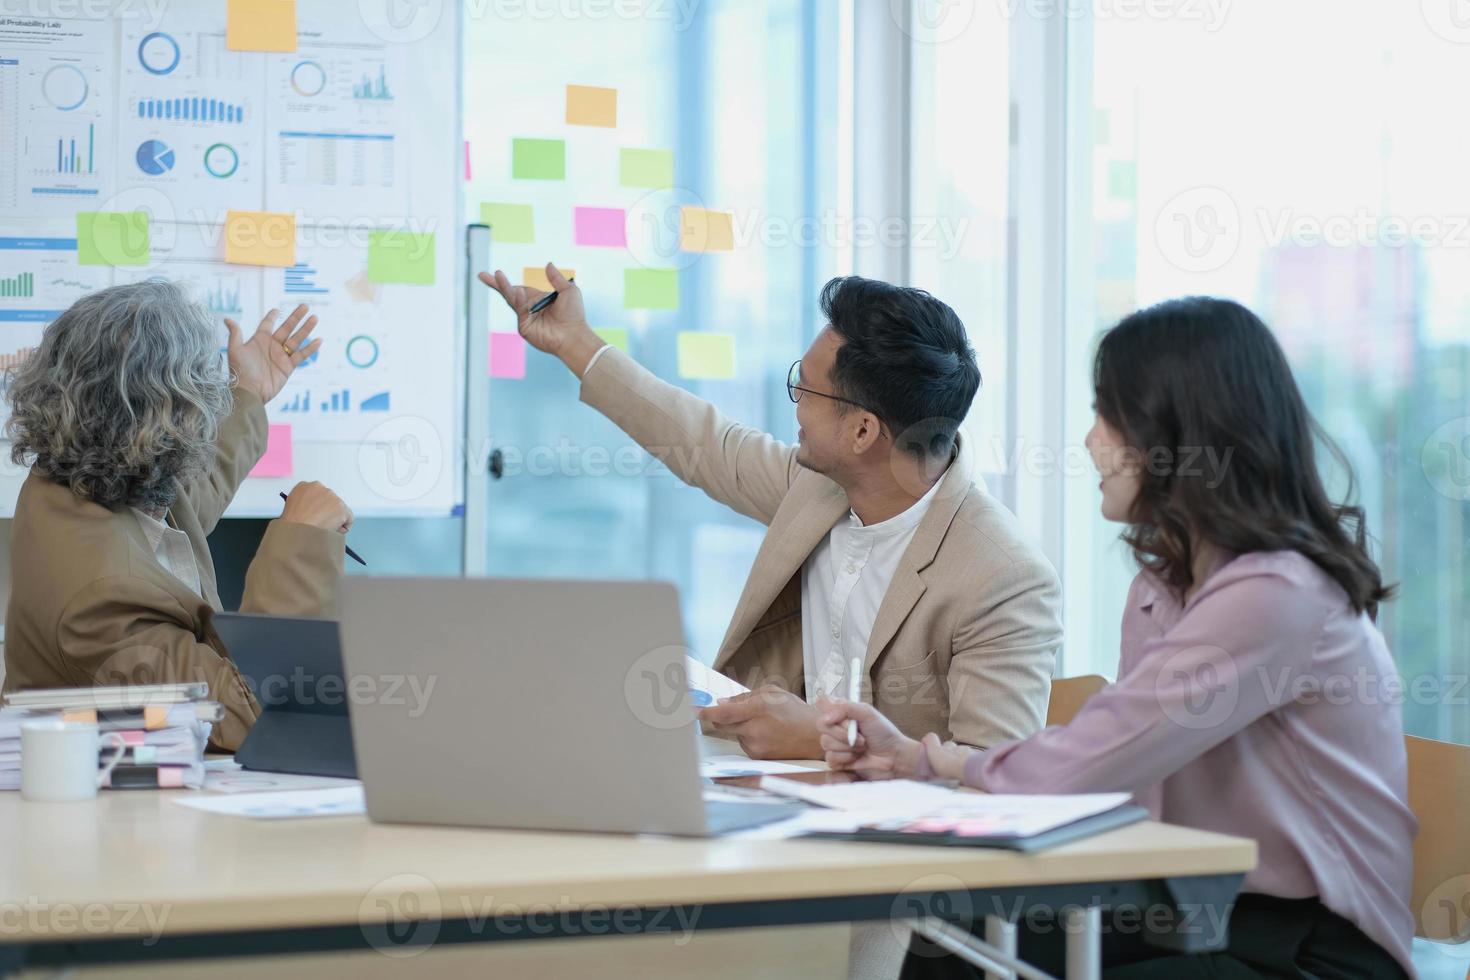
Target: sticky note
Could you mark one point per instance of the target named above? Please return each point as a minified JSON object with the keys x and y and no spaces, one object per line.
{"x":651,"y":289}
{"x":538,"y":159}
{"x":613,"y":336}
{"x":706,"y":356}
{"x":507,"y":355}
{"x":535,"y":277}
{"x":112,"y":238}
{"x":702,"y":230}
{"x":646,"y":168}
{"x":509,"y":223}
{"x":468,"y":174}
{"x":260,"y":25}
{"x":401,"y":256}
{"x":277,"y":459}
{"x":605,"y":227}
{"x":591,"y":106}
{"x":260,"y":238}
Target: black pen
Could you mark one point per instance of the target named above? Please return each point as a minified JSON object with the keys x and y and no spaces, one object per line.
{"x":547,"y":300}
{"x":350,"y":553}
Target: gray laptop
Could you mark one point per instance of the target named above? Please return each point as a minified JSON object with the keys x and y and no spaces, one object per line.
{"x":547,"y":705}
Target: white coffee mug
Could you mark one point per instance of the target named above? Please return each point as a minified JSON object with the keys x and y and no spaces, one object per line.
{"x":58,"y":760}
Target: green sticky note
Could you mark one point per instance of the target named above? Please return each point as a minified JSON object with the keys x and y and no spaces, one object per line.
{"x":650,"y":289}
{"x":646,"y":168}
{"x":509,"y":223}
{"x":538,"y":159}
{"x":1123,"y":179}
{"x":1102,"y":128}
{"x":613,"y":336}
{"x":706,"y":356}
{"x":401,"y":256}
{"x":112,"y":237}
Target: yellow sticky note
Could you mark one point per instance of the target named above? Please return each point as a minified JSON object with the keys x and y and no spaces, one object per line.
{"x":706,"y":356}
{"x":591,"y":106}
{"x":702,"y":230}
{"x":260,"y":238}
{"x":613,"y":337}
{"x":535,"y":277}
{"x":261,"y":25}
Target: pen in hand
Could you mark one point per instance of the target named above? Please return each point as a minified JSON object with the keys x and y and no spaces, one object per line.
{"x":547,"y":300}
{"x":854,"y":691}
{"x":350,"y":553}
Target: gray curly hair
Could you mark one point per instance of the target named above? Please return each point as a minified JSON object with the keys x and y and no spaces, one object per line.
{"x":123,"y":398}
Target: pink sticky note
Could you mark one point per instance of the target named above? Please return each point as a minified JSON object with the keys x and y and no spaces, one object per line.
{"x":277,"y":458}
{"x":601,"y":226}
{"x":507,"y":355}
{"x":467,"y":172}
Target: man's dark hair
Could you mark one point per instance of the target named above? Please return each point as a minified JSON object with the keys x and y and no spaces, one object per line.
{"x":905,"y":358}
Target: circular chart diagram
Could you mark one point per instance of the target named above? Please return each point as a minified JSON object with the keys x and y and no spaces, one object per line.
{"x":65,"y":87}
{"x":154,"y":157}
{"x":221,"y":160}
{"x":158,"y":53}
{"x":308,"y":78}
{"x":362,"y":351}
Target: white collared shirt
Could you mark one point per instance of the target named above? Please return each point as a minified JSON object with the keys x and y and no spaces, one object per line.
{"x":172,"y":549}
{"x":842,"y":585}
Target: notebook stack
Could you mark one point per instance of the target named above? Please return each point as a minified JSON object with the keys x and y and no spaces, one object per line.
{"x":165,"y":728}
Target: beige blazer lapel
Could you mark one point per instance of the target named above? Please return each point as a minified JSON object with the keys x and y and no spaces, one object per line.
{"x":908,"y":585}
{"x":798,"y":527}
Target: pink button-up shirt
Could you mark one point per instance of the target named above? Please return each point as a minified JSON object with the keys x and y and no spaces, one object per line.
{"x":1265,"y":708}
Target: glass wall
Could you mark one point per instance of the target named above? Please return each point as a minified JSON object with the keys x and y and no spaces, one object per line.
{"x":739,"y":99}
{"x":1322,"y":185}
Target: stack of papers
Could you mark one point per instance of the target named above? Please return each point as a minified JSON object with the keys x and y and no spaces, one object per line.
{"x":163,"y":743}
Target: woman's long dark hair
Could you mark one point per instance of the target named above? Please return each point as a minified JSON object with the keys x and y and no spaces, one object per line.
{"x":1200,"y":389}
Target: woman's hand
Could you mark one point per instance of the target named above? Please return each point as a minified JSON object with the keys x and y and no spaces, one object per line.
{"x":946,"y":759}
{"x":881,"y":751}
{"x":264,"y":362}
{"x":315,"y":505}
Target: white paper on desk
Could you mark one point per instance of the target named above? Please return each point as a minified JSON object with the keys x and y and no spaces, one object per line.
{"x":344,"y":801}
{"x":707,"y":686}
{"x":982,"y":814}
{"x":227,"y":776}
{"x":727,"y":766}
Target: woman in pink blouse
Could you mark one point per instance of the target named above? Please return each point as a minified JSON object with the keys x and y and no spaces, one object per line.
{"x":1255,"y":695}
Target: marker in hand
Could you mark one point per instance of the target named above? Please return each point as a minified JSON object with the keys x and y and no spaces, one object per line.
{"x":546,"y":300}
{"x":350,"y":553}
{"x":854,"y":691}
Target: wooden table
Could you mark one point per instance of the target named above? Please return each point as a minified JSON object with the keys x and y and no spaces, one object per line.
{"x":135,"y":878}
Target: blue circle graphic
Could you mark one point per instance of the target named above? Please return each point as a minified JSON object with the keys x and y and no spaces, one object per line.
{"x":162,"y":49}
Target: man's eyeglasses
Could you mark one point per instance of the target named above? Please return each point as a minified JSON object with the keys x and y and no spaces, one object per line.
{"x":794,"y":390}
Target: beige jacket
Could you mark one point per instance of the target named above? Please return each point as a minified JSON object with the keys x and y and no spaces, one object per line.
{"x":91,"y":605}
{"x":967,"y":633}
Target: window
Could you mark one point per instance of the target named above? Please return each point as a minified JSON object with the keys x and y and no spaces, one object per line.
{"x":1320,"y":185}
{"x":743,"y":95}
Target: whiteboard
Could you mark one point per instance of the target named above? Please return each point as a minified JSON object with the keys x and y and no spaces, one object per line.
{"x":356,"y":131}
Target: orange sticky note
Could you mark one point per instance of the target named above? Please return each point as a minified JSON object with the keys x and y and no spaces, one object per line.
{"x":591,"y":106}
{"x":277,"y":459}
{"x":260,"y":25}
{"x":260,"y":238}
{"x":702,"y":230}
{"x":535,"y":277}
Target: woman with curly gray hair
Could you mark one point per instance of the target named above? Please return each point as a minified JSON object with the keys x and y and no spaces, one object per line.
{"x":137,"y":440}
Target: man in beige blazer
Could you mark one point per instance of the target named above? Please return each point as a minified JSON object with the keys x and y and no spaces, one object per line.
{"x":882,"y":544}
{"x":136,"y":445}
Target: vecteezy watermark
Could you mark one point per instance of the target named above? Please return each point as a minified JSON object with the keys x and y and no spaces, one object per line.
{"x":402,"y":459}
{"x":148,"y":13}
{"x":1445,"y":459}
{"x":657,"y":691}
{"x":303,"y":687}
{"x":401,"y":21}
{"x":933,"y":21}
{"x":1209,"y":464}
{"x":403,"y":915}
{"x":1450,"y":19}
{"x":1445,"y":913}
{"x":939,"y":897}
{"x":35,"y":917}
{"x":1198,"y":230}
